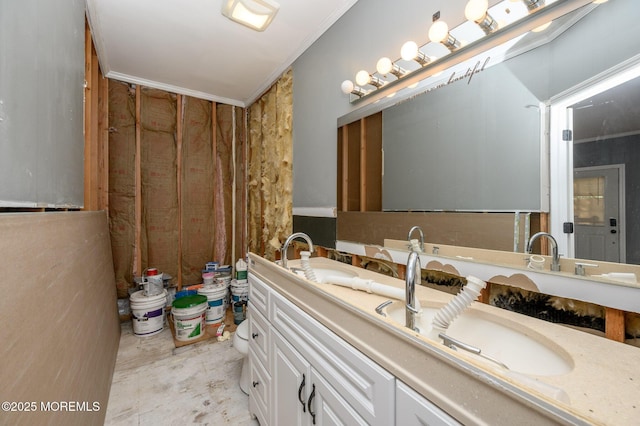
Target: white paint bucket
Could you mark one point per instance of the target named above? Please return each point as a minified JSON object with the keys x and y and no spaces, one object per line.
{"x":189,"y":317}
{"x":239,"y":291}
{"x":216,"y":303}
{"x":147,"y":313}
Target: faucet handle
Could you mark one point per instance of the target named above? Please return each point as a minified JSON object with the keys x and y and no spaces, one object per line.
{"x":579,"y":267}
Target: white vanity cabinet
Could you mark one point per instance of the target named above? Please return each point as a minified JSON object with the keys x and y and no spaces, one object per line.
{"x":314,"y":376}
{"x":259,"y":352}
{"x":412,"y":409}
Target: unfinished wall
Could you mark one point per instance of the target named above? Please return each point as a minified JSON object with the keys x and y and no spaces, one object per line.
{"x":493,"y":231}
{"x":270,"y":177}
{"x":176,"y":183}
{"x":61,"y":333}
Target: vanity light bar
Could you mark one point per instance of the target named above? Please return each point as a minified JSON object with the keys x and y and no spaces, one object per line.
{"x":458,"y":53}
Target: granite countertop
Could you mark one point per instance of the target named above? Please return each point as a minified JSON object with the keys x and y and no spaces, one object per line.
{"x":603,"y":387}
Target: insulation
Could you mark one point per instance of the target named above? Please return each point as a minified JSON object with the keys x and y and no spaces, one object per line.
{"x":122,"y":150}
{"x":224,"y":173}
{"x":271,"y":184}
{"x":197,"y":200}
{"x":159,"y":238}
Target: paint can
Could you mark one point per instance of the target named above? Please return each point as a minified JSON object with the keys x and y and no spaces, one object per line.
{"x":153,"y":283}
{"x":189,"y":317}
{"x":147,"y":313}
{"x":239,"y":291}
{"x":208,"y":277}
{"x":216,"y":303}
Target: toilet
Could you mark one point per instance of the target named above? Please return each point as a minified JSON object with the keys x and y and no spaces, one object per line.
{"x":241,"y":343}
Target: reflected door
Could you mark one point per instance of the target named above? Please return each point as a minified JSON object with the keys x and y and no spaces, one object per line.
{"x":596,"y":206}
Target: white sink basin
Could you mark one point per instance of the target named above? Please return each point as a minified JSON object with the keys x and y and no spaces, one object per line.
{"x":522,"y":350}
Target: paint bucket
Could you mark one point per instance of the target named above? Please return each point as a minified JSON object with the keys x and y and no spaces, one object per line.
{"x":183,"y":293}
{"x":216,"y":306}
{"x":239,"y":291}
{"x":208,"y":278}
{"x":152,"y":282}
{"x":189,"y":317}
{"x":147,"y":313}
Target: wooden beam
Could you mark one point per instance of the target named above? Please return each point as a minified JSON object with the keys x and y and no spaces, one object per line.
{"x":614,"y":324}
{"x":103,"y":142}
{"x":90,"y":125}
{"x":179,"y":121}
{"x":214,"y":150}
{"x":345,"y":168}
{"x":363,"y":164}
{"x":137,"y":256}
{"x":485,"y":294}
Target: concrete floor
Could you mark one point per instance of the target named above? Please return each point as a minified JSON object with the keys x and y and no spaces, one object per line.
{"x":155,"y":383}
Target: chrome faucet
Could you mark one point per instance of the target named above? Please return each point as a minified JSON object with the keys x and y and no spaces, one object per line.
{"x":285,"y":246}
{"x":412,"y":278}
{"x":555,"y":261}
{"x":421,"y":236}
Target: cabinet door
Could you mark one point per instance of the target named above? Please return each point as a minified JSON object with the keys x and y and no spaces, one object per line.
{"x":412,"y":409}
{"x":326,"y":407}
{"x":290,"y":385}
{"x":259,"y":389}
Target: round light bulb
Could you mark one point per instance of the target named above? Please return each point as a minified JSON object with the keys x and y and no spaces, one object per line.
{"x":347,"y":87}
{"x":362,"y":78}
{"x":438,"y":31}
{"x":409,"y":50}
{"x":476,"y":10}
{"x":384,"y":66}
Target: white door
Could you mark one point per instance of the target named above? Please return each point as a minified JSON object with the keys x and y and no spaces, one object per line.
{"x":596,"y":207}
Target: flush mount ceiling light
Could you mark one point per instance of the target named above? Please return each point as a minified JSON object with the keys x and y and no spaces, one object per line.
{"x":255,"y":14}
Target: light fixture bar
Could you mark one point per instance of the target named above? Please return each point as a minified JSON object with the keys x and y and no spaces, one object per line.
{"x":533,"y":4}
{"x":547,"y":13}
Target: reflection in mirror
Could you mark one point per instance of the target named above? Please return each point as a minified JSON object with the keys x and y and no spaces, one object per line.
{"x":484,"y":145}
{"x":606,"y":151}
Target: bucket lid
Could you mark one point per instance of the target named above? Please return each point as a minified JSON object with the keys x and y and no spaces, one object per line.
{"x":243,"y":330}
{"x":189,"y":301}
{"x":141,"y":297}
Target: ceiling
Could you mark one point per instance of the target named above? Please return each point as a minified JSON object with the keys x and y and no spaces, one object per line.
{"x":189,"y":47}
{"x":614,"y":112}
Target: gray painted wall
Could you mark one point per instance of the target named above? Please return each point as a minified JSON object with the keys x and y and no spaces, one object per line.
{"x":374,"y":28}
{"x":41,"y":103}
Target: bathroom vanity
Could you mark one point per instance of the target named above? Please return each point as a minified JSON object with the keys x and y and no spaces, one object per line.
{"x":321,"y":354}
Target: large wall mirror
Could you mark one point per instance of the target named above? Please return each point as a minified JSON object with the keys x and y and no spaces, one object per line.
{"x":484,"y":144}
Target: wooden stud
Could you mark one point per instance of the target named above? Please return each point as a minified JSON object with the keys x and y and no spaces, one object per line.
{"x":345,"y":168}
{"x":485,"y":294}
{"x":544,"y":227}
{"x":103,"y":142}
{"x":402,"y":271}
{"x":614,"y":324}
{"x":179,"y":121}
{"x":321,"y":251}
{"x":214,"y":151}
{"x":137,"y":256}
{"x":356,"y":260}
{"x":90,"y":125}
{"x":363,"y":165}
